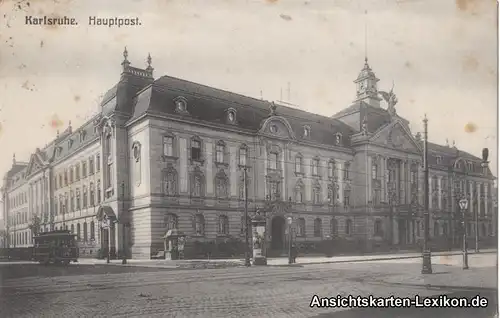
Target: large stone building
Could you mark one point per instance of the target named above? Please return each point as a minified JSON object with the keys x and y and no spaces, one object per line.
{"x":168,"y":153}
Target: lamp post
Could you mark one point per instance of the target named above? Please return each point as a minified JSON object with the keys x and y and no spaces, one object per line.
{"x":247,"y":249}
{"x":426,"y":252}
{"x":290,"y":237}
{"x":463,"y":206}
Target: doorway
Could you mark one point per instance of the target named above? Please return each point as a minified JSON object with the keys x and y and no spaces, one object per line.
{"x":402,"y":231}
{"x":277,"y":233}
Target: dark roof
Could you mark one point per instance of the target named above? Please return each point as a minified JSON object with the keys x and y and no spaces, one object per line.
{"x":210,"y":104}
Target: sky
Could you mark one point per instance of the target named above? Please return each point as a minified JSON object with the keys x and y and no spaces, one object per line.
{"x":441,"y":56}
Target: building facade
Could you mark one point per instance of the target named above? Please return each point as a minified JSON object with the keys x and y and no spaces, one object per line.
{"x":168,"y":153}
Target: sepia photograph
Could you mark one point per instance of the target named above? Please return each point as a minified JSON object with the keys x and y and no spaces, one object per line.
{"x":249,"y":158}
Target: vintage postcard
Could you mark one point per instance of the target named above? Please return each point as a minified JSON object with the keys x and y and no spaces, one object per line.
{"x":248,"y":158}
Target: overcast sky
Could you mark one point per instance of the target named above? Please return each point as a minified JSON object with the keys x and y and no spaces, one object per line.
{"x":441,"y":56}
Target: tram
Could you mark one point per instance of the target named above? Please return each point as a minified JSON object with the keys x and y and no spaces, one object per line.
{"x":57,"y":247}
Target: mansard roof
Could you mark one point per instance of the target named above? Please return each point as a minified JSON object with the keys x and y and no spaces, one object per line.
{"x":208,"y":104}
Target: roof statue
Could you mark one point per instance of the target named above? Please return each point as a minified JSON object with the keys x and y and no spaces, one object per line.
{"x":364,"y":128}
{"x":391,"y":100}
{"x":272,"y":108}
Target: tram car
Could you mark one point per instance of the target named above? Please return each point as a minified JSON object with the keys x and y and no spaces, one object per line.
{"x":57,"y":247}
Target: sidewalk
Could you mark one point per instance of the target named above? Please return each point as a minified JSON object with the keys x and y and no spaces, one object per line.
{"x":282,"y":261}
{"x":474,"y":279}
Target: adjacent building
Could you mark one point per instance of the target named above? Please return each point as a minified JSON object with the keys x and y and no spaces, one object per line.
{"x":169,"y":153}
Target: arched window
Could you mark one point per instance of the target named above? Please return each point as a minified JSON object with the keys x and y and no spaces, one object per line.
{"x":169,"y":181}
{"x":72,"y":229}
{"x":301,"y":227}
{"x":317,"y":227}
{"x":171,"y":221}
{"x":348,"y":227}
{"x":85,"y":237}
{"x":331,"y":169}
{"x":221,"y":185}
{"x":378,"y":228}
{"x":84,"y":202}
{"x":199,"y":224}
{"x":333,"y":227}
{"x":436,"y":229}
{"x":223,"y":225}
{"x":92,"y":230}
{"x":78,"y":234}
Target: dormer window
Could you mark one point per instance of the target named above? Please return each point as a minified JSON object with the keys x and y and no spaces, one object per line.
{"x":307,"y":131}
{"x":439,"y":159}
{"x":180,"y":104}
{"x":231,"y":115}
{"x":338,"y":138}
{"x":457,"y":165}
{"x":273,"y":129}
{"x":70,"y":143}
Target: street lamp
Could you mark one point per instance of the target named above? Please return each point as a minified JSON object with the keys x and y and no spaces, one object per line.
{"x":247,"y":248}
{"x":426,"y":252}
{"x":290,"y":258}
{"x":463,"y":206}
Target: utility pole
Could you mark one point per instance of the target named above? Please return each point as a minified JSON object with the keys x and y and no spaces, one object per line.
{"x":247,"y":250}
{"x":426,"y":252}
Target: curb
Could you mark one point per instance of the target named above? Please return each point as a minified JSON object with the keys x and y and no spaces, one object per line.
{"x":381,"y":259}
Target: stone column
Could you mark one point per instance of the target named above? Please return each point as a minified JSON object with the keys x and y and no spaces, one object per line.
{"x":370,"y":181}
{"x":340,"y":178}
{"x":307,"y":179}
{"x":183,"y":176}
{"x":485,"y":187}
{"x":209,"y":173}
{"x":325,"y":180}
{"x":233,"y":163}
{"x":383,"y":179}
{"x":440,"y":188}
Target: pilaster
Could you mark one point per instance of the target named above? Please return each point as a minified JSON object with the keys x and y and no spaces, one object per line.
{"x":183,"y":177}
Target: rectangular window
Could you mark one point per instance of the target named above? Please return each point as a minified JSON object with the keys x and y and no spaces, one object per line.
{"x":315,"y":165}
{"x":298,"y":165}
{"x":346,"y":171}
{"x":331,"y":169}
{"x":374,"y":172}
{"x":243,"y":157}
{"x":195,"y":150}
{"x":91,"y":165}
{"x":168,"y":146}
{"x":273,"y":161}
{"x":84,"y":169}
{"x":219,"y":153}
{"x":98,"y":163}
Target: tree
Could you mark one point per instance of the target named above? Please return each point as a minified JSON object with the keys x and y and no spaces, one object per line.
{"x":35,"y":224}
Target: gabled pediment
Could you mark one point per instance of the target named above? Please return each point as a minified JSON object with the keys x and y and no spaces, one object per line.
{"x":396,"y":135}
{"x":34,"y":165}
{"x":277,"y":126}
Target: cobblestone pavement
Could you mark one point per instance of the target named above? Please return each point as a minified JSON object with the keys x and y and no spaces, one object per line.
{"x":231,"y":292}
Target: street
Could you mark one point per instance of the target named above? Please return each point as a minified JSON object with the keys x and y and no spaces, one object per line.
{"x":114,"y":290}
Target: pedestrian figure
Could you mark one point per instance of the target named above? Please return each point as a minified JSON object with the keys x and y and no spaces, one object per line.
{"x":294,"y":253}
